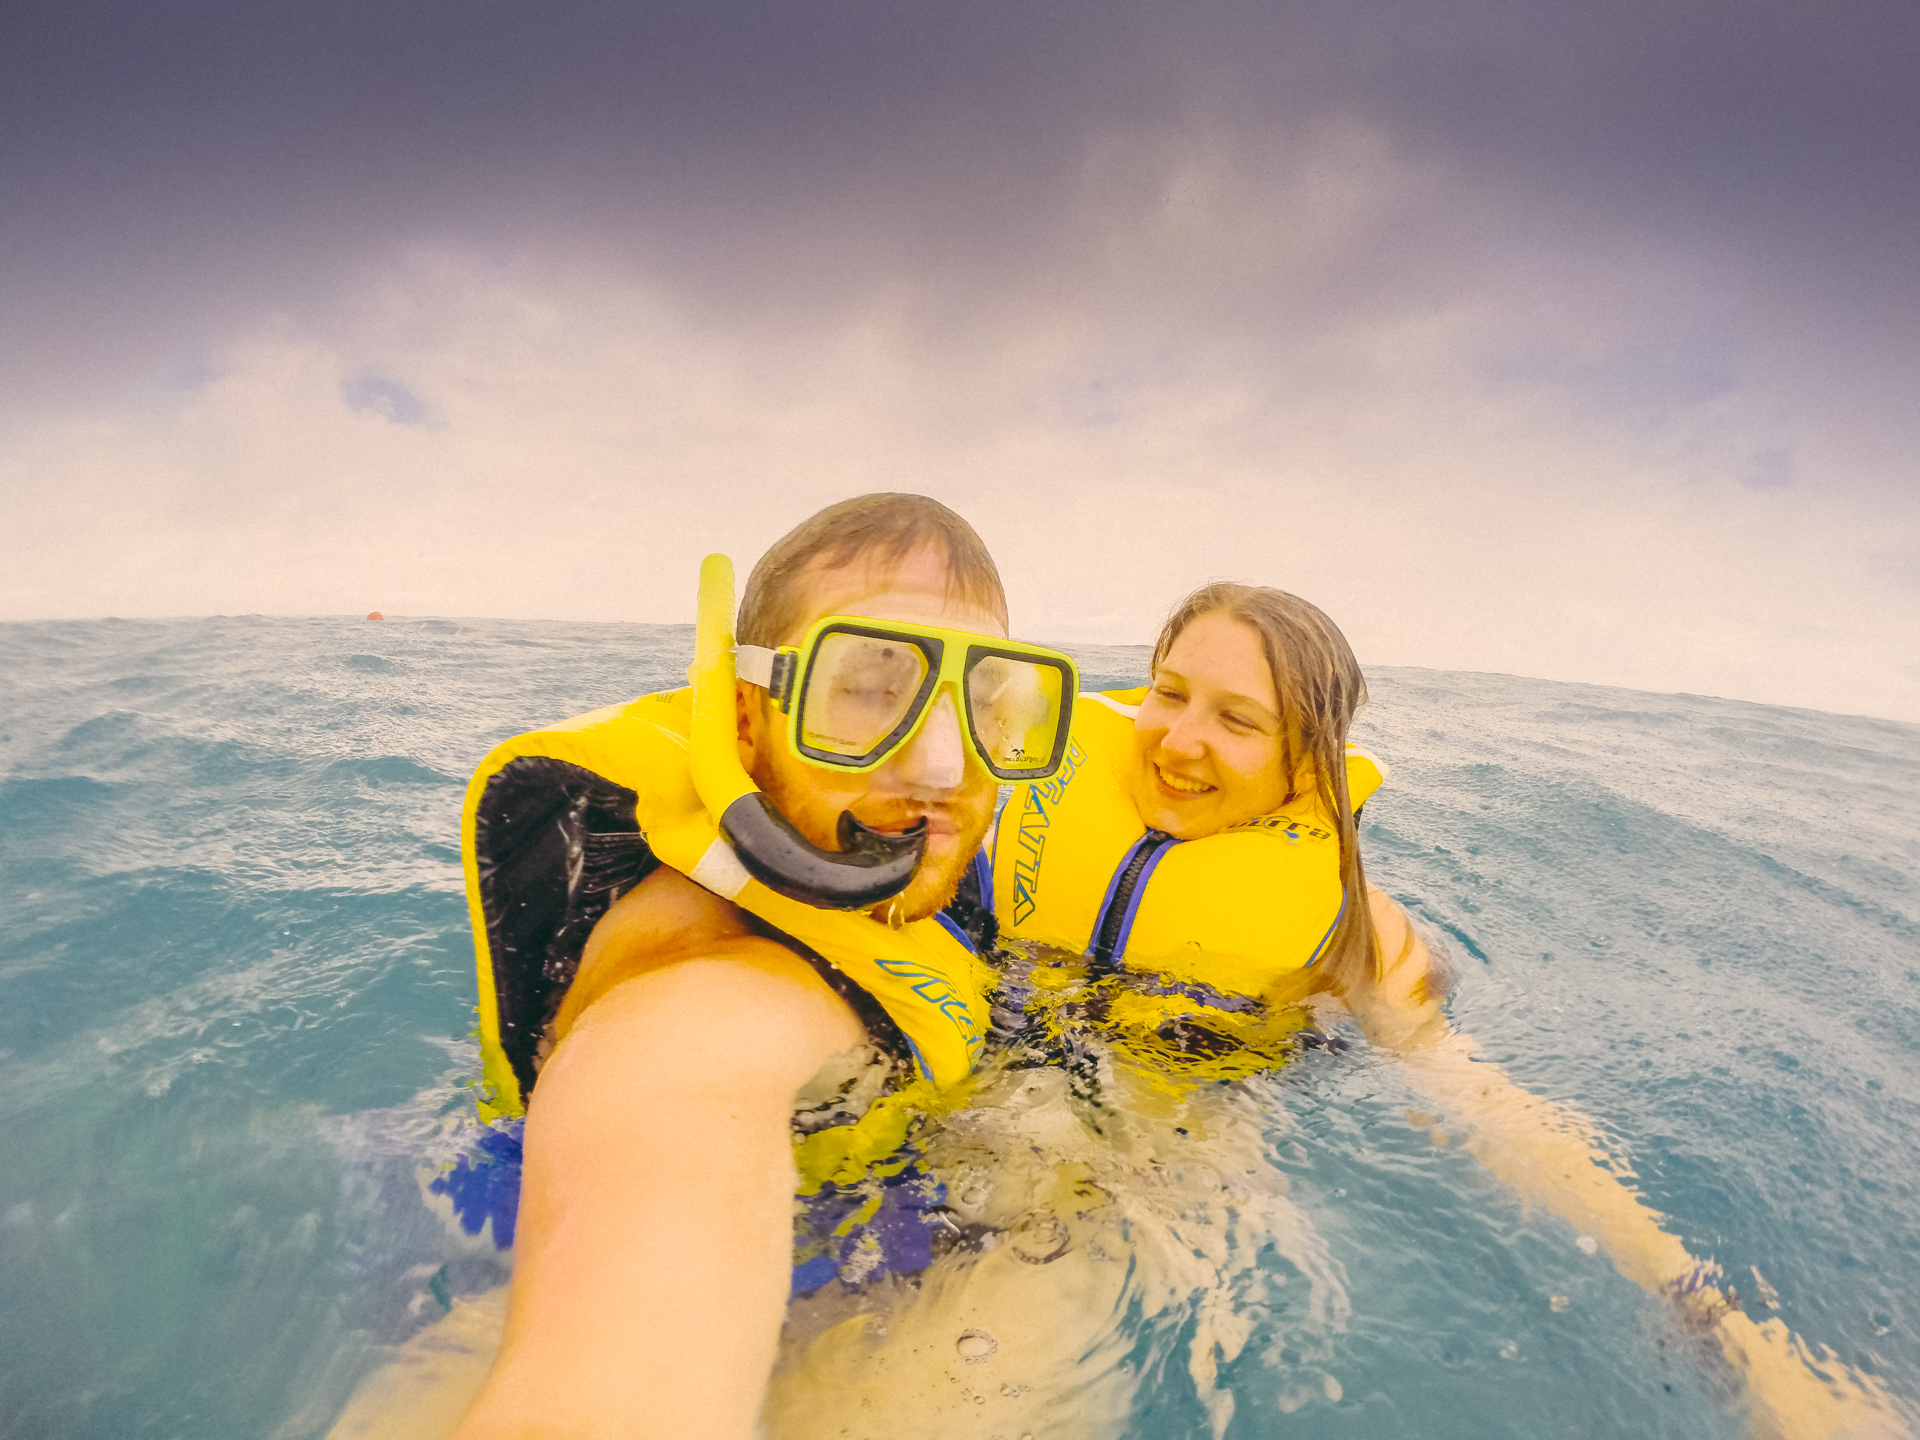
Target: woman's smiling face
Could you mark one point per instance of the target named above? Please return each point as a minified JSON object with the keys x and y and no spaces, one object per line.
{"x":1206,"y":744}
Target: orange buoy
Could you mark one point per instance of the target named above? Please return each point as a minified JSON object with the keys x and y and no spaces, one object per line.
{"x":375,"y":615}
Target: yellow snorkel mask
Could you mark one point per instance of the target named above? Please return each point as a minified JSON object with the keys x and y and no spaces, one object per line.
{"x":854,"y":692}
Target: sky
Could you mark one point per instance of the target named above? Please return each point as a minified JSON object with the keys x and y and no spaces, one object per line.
{"x":1570,"y":340}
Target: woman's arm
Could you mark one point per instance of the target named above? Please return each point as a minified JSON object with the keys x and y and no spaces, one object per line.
{"x":1551,"y":1157}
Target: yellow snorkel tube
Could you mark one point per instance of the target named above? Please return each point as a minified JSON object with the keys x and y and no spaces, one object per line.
{"x":869,"y":867}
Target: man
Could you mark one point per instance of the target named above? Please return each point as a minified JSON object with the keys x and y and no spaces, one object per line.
{"x":655,"y":1230}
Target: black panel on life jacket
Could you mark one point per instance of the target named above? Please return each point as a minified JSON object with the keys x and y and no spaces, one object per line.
{"x":556,"y":845}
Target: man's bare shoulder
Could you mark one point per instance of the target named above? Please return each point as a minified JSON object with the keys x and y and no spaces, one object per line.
{"x":664,"y":918}
{"x":673,"y":962}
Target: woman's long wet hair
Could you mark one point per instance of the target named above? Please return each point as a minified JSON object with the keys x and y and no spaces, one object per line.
{"x":1320,"y":687}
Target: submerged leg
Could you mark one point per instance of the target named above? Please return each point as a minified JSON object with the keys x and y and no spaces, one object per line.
{"x":1108,"y":1233}
{"x":999,"y":1346}
{"x":433,"y":1377}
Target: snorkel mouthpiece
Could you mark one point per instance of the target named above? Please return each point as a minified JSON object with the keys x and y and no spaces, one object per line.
{"x":871,"y":865}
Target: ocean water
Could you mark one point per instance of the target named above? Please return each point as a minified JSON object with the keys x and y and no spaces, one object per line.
{"x":236,"y":991}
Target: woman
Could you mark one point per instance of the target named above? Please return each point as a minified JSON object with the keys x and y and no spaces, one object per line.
{"x":1239,"y":744}
{"x":1199,"y":859}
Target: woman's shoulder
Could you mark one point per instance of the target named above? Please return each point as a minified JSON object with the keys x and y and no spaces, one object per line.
{"x":1410,"y":977}
{"x":1098,"y":703}
{"x":1103,"y":725}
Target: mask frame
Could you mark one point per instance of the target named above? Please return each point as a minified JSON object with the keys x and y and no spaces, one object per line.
{"x":950,"y":660}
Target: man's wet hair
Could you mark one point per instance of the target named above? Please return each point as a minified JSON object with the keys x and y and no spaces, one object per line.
{"x":886,"y":528}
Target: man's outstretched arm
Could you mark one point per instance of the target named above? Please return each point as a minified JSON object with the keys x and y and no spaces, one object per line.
{"x":653,"y":1256}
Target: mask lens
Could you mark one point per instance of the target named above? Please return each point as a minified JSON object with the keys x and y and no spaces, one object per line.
{"x":1015,"y":707}
{"x":859,"y":690}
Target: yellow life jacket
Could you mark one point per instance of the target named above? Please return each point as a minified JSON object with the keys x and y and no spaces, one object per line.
{"x":1075,"y":869}
{"x":560,"y":822}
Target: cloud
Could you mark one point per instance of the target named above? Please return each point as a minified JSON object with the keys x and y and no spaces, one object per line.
{"x":1654,"y":383}
{"x":376,"y":394}
{"x":601,"y":433}
{"x":1574,"y":341}
{"x":175,"y":172}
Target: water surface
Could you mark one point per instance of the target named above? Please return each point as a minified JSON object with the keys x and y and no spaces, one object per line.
{"x":236,"y":996}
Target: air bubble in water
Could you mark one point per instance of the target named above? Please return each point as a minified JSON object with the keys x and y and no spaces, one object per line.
{"x":975,"y":1346}
{"x":1041,"y":1238}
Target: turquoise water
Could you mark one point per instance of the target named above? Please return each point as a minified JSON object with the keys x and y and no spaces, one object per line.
{"x":236,"y":989}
